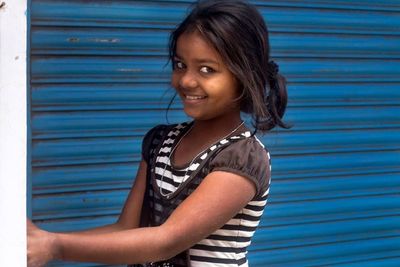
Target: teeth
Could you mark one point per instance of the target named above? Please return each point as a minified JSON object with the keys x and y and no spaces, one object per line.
{"x":194,"y":97}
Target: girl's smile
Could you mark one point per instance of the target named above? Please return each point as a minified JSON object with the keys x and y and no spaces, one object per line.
{"x":203,"y":81}
{"x":193,"y":98}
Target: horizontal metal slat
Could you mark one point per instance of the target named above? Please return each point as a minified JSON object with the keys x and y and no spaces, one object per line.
{"x":387,"y":5}
{"x":343,"y":94}
{"x":96,"y":122}
{"x":81,"y":204}
{"x":330,"y":164}
{"x":307,"y":20}
{"x":78,"y":124}
{"x":81,"y":150}
{"x":327,"y":254}
{"x":51,"y":180}
{"x":357,"y":117}
{"x":383,"y":261}
{"x":148,"y":69}
{"x":105,"y":41}
{"x":75,"y":97}
{"x":292,"y":142}
{"x":98,"y":41}
{"x":285,"y":189}
{"x":98,"y":69}
{"x":115,"y":14}
{"x":101,"y":123}
{"x":295,"y":235}
{"x":148,"y":15}
{"x":334,"y":46}
{"x":86,"y":151}
{"x":340,"y":208}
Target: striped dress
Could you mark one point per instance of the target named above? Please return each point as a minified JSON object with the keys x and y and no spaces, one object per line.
{"x":168,"y":186}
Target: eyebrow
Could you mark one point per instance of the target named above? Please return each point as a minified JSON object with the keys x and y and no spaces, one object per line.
{"x":206,"y":60}
{"x":202,"y":60}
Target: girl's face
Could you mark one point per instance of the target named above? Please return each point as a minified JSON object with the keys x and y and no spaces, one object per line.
{"x":206,"y":86}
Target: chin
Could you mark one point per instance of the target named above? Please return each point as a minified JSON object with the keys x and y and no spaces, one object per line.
{"x":195,"y":116}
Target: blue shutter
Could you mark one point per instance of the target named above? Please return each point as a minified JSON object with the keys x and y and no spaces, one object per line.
{"x":99,"y":82}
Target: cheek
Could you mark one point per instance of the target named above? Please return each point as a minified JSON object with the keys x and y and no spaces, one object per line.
{"x":236,"y":87}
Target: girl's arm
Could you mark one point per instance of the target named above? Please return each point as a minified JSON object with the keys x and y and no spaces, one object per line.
{"x":218,"y":198}
{"x":39,"y":240}
{"x":130,"y":215}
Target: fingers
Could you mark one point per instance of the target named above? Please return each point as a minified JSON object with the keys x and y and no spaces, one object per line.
{"x":35,"y":257}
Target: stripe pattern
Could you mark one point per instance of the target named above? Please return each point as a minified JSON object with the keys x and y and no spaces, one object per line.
{"x":170,"y":186}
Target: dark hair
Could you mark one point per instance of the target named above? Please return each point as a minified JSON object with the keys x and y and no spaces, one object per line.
{"x":238,"y":32}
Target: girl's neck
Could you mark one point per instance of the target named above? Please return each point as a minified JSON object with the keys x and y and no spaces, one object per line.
{"x":211,"y":129}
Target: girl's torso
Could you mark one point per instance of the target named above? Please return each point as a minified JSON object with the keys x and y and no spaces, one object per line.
{"x":171,"y":184}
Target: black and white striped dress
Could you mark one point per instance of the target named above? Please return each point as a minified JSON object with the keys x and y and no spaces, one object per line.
{"x":242,"y":154}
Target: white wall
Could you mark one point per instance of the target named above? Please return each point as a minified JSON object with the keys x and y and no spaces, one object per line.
{"x":13,"y":129}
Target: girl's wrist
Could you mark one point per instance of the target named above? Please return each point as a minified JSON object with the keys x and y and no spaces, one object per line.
{"x":56,"y":246}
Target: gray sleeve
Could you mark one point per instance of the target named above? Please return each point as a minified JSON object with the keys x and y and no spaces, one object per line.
{"x":246,"y":158}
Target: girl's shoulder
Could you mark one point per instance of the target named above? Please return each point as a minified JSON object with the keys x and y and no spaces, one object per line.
{"x":246,"y":157}
{"x":245,"y":150}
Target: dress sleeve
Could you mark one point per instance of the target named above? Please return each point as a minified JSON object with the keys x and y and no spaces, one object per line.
{"x":247,"y":158}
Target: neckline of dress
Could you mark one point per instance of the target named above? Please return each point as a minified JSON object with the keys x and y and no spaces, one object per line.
{"x":187,"y":126}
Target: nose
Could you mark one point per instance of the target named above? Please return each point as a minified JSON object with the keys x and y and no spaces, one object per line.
{"x":188,"y":80}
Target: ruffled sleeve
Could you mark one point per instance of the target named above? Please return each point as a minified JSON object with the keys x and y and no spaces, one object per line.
{"x":247,"y":158}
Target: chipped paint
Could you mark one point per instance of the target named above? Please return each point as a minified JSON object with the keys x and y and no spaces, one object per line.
{"x":105,"y":40}
{"x":130,"y":70}
{"x":73,"y":39}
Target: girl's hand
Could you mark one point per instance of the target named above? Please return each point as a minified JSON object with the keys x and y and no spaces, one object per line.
{"x":41,"y":246}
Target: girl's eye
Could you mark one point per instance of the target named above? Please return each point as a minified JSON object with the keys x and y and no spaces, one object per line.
{"x":207,"y":70}
{"x":179,"y":65}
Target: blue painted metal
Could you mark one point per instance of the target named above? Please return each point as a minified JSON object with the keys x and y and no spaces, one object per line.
{"x":100,"y":80}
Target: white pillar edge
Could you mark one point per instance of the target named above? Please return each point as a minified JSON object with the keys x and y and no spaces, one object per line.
{"x":13,"y":132}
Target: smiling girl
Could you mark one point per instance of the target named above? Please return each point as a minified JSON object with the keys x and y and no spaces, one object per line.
{"x":202,"y":185}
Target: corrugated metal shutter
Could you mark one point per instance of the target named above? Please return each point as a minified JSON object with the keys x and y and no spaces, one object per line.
{"x":98,"y":83}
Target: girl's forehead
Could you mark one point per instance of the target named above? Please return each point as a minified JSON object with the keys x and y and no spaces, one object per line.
{"x":193,"y":43}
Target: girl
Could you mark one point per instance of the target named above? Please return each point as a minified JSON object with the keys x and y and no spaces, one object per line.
{"x":202,"y":186}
